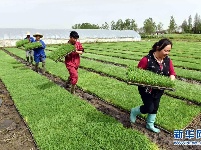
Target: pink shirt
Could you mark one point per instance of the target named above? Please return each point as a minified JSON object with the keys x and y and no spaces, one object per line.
{"x":73,"y":59}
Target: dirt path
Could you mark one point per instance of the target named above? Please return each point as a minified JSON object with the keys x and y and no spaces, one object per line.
{"x":14,"y":134}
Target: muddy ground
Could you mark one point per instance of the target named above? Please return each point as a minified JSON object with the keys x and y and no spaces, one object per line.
{"x":14,"y":134}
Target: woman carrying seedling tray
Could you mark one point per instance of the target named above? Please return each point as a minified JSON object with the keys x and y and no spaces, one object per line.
{"x":39,"y":53}
{"x":156,"y":61}
{"x":72,"y":60}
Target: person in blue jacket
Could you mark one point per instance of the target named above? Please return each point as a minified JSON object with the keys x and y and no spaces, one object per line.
{"x":39,"y":53}
{"x":29,"y":53}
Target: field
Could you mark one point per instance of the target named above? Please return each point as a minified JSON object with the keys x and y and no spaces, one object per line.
{"x":97,"y":117}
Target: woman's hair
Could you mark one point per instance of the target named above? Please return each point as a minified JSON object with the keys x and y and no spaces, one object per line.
{"x":161,"y":44}
{"x":74,"y":34}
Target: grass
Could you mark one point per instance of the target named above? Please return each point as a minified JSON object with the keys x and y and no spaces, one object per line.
{"x":125,"y":96}
{"x":137,"y":54}
{"x":189,"y":74}
{"x":59,"y":120}
{"x":183,"y":89}
{"x":137,"y":57}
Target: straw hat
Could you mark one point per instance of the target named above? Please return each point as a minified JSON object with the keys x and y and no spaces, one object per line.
{"x":38,"y":35}
{"x":28,"y":33}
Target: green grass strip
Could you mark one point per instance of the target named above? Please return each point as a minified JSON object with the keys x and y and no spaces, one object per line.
{"x":179,"y":49}
{"x":61,"y":121}
{"x":183,"y":89}
{"x":182,"y":49}
{"x":189,"y":74}
{"x":173,"y":114}
{"x":138,"y":53}
{"x":137,"y":57}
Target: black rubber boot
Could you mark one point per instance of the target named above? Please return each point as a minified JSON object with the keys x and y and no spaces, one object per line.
{"x":27,"y":60}
{"x":72,"y":90}
{"x":31,"y":60}
{"x":43,"y":67}
{"x":36,"y":67}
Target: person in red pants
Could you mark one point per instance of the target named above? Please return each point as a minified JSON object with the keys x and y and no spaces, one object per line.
{"x":72,"y":60}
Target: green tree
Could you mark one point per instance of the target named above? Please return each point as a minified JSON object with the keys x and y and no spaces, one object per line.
{"x":105,"y":26}
{"x":133,"y":25}
{"x":185,"y":27}
{"x":126,"y":24}
{"x":86,"y":26}
{"x":160,"y":26}
{"x":76,"y":26}
{"x":113,"y":25}
{"x":173,"y":26}
{"x":140,"y":30}
{"x":149,"y":26}
{"x":119,"y":25}
{"x":197,"y":24}
{"x":189,"y":24}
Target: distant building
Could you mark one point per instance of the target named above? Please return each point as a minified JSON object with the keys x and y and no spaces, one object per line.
{"x":161,"y":32}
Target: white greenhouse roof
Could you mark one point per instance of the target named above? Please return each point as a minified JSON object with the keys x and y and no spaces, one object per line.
{"x":64,"y":33}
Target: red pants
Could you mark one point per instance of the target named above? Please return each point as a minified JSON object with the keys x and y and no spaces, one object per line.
{"x":73,"y":74}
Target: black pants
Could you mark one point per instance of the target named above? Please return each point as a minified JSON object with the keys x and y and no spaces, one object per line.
{"x":151,"y":100}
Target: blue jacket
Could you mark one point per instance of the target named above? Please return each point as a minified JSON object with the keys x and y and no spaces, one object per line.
{"x":40,"y":51}
{"x":31,"y":39}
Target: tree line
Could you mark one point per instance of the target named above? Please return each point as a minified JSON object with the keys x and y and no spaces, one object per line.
{"x":149,"y":25}
{"x":128,"y":24}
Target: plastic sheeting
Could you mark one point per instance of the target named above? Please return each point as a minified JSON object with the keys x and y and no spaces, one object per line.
{"x":64,"y":33}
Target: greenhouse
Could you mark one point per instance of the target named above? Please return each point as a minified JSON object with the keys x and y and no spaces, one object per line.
{"x":8,"y":37}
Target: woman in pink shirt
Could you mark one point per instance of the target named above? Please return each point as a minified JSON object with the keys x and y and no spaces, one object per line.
{"x":158,"y":62}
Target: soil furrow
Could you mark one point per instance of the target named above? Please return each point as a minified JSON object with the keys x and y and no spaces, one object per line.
{"x":15,"y":133}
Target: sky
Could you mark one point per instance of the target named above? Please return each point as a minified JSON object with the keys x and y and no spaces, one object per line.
{"x":63,"y":14}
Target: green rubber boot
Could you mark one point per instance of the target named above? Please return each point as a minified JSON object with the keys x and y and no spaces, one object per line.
{"x":150,"y":123}
{"x":134,"y":112}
